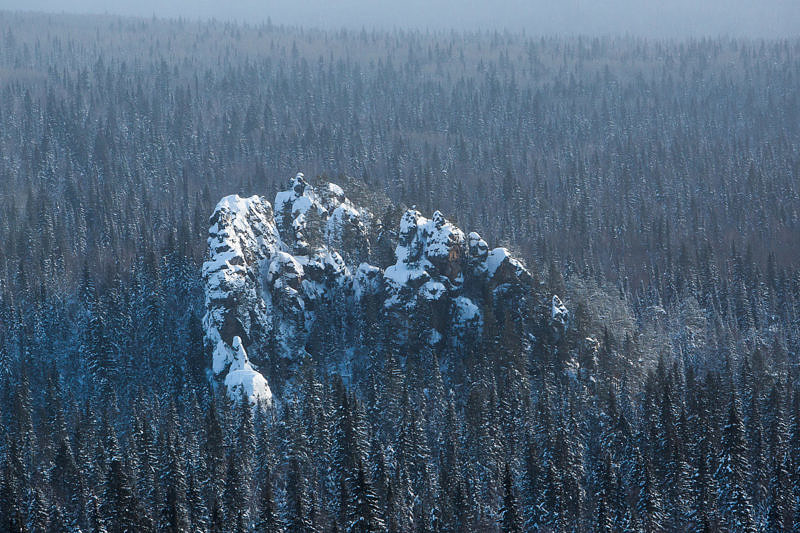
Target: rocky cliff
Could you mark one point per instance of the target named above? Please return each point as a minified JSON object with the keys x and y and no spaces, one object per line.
{"x":272,"y":274}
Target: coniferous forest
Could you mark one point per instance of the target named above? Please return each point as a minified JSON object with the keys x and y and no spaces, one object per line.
{"x":653,"y":185}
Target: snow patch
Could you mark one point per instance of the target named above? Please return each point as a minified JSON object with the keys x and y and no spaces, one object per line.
{"x":465,"y":310}
{"x":243,"y":379}
{"x":367,"y":281}
{"x":558,"y":312}
{"x":433,"y":290}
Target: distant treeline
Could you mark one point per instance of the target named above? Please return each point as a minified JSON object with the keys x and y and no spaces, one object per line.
{"x":653,"y":184}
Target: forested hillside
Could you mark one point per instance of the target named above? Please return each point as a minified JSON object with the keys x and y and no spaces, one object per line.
{"x":651,"y":185}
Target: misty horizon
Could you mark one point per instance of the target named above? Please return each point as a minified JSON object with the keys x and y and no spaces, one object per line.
{"x":399,"y":266}
{"x":679,"y":19}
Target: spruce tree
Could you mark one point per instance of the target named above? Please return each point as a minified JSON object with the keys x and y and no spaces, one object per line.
{"x":649,"y":503}
{"x":298,"y":512}
{"x":364,"y":512}
{"x":735,"y":505}
{"x":510,"y":518}
{"x":268,"y":520}
{"x":174,"y":516}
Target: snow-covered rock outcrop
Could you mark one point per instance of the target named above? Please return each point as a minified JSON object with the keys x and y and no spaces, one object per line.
{"x":269,"y":272}
{"x":242,"y":236}
{"x":440,"y":272}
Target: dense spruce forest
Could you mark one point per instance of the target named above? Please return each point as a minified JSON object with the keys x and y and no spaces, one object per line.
{"x":652,"y":185}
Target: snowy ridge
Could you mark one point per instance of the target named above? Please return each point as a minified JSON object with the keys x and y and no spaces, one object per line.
{"x":268,"y":272}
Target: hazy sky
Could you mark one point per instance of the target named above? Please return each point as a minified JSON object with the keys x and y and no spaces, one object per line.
{"x":660,"y":18}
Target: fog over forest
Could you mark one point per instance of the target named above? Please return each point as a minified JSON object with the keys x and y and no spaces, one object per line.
{"x":678,"y":18}
{"x":275,"y":269}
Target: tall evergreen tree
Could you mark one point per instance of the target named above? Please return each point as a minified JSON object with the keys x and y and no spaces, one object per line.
{"x":268,"y":519}
{"x":735,"y":505}
{"x":511,"y":519}
{"x":364,"y":512}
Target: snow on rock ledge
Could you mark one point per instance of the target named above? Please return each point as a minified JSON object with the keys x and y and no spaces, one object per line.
{"x":244,"y":380}
{"x":558,"y":312}
{"x":559,"y":316}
